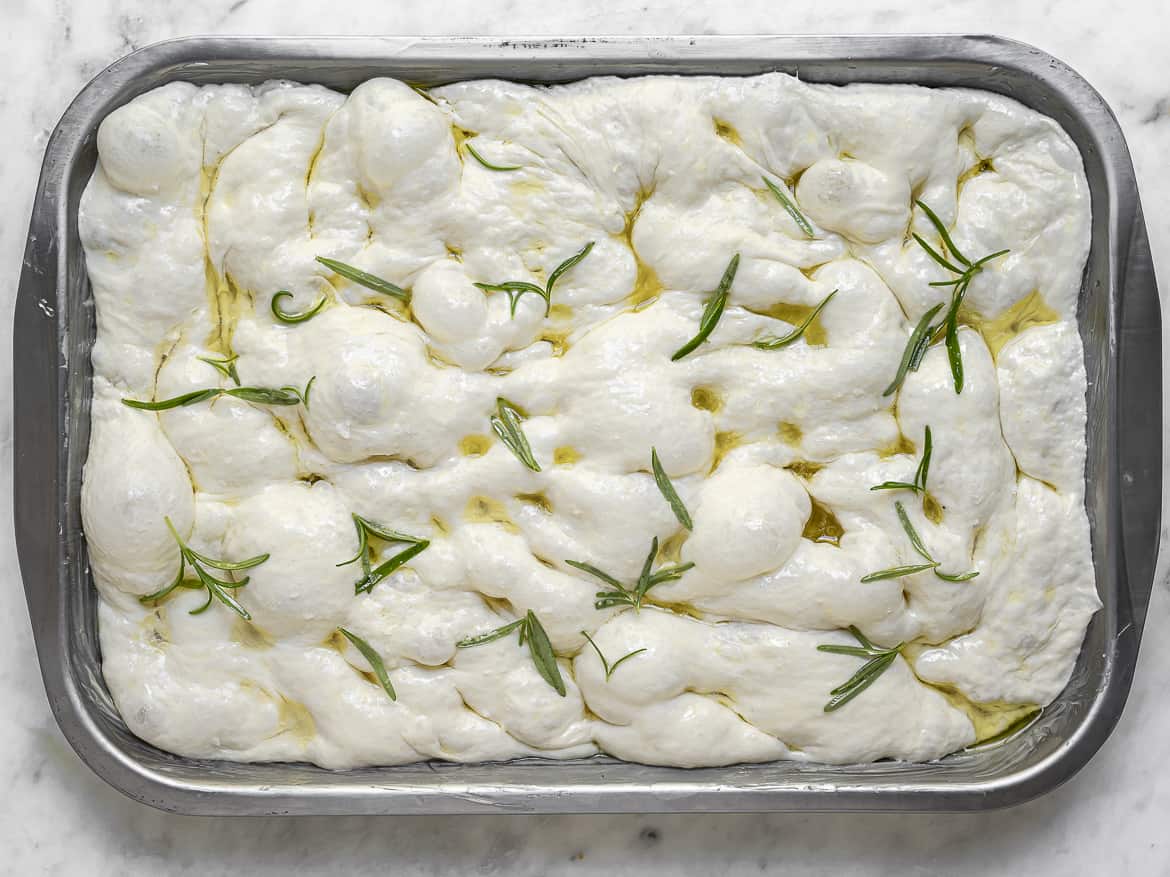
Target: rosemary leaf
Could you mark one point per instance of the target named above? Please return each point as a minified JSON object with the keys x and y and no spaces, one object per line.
{"x":774,"y":343}
{"x":789,"y":204}
{"x":516,"y":288}
{"x":491,"y":635}
{"x":542,"y":653}
{"x":225,"y":366}
{"x":879,"y":661}
{"x":912,"y":534}
{"x":668,"y":492}
{"x":287,"y":317}
{"x":266,"y":395}
{"x":924,"y":464}
{"x":487,"y":164}
{"x":631,"y":596}
{"x":609,"y":669}
{"x":961,"y":577}
{"x":506,"y":424}
{"x":367,"y":583}
{"x":374,"y":659}
{"x":945,"y":235}
{"x":912,"y":355}
{"x":896,"y":572}
{"x":643,"y":584}
{"x":594,"y":571}
{"x":192,"y":398}
{"x":712,"y":311}
{"x":363,"y":278}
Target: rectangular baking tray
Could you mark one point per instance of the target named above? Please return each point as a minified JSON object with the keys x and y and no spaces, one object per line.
{"x":1119,"y":322}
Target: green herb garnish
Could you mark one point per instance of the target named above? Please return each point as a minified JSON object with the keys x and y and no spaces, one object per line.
{"x":364,"y":278}
{"x":965,"y":271}
{"x":217,"y":589}
{"x":374,"y":659}
{"x":225,"y":366}
{"x":506,"y":424}
{"x":487,"y":164}
{"x":915,"y":349}
{"x":789,"y":204}
{"x":879,"y":661}
{"x":516,"y":288}
{"x":712,"y":311}
{"x":610,"y":668}
{"x":916,"y":541}
{"x":372,"y":575}
{"x":286,"y":317}
{"x":774,"y":343}
{"x":668,"y":491}
{"x":919,"y":483}
{"x":259,"y":395}
{"x":539,"y":647}
{"x":631,"y":596}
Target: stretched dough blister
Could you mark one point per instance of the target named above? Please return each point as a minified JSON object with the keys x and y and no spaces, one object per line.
{"x":208,"y":201}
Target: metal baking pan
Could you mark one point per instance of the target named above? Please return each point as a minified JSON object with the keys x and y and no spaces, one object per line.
{"x":1119,"y":322}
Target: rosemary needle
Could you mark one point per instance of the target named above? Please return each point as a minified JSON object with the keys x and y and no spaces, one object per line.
{"x":789,"y":204}
{"x":879,"y":661}
{"x":919,"y":546}
{"x":364,"y":278}
{"x":487,"y":164}
{"x":668,"y":492}
{"x":774,"y":343}
{"x":533,"y":635}
{"x":374,"y":659}
{"x":371,"y":575}
{"x":608,"y":667}
{"x":712,"y":311}
{"x":287,"y":317}
{"x":631,"y":595}
{"x":506,"y":424}
{"x":516,"y":288}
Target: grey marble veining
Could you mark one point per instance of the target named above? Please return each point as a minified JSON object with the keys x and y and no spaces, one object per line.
{"x":57,"y":818}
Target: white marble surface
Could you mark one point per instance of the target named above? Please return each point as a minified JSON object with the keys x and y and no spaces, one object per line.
{"x":56,"y":817}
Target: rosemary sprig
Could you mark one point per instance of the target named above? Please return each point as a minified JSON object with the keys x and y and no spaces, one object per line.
{"x":879,"y":661}
{"x":506,"y":424}
{"x":372,"y":575}
{"x":712,"y":311}
{"x":668,"y":491}
{"x":919,"y":483}
{"x":487,"y":164}
{"x":789,"y":204}
{"x":259,"y":395}
{"x":920,"y":547}
{"x":287,"y":317}
{"x":364,"y":278}
{"x":225,"y":366}
{"x":217,"y":589}
{"x":915,"y":349}
{"x":965,"y":271}
{"x":374,"y":659}
{"x":774,"y":343}
{"x":516,"y":288}
{"x":631,"y":596}
{"x":610,"y":668}
{"x":539,"y":647}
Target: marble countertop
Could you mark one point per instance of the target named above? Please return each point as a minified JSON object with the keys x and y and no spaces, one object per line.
{"x":56,"y":817}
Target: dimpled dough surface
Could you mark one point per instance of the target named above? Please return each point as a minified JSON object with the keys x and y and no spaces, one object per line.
{"x":207,"y":201}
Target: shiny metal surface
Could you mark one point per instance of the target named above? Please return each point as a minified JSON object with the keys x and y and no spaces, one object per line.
{"x":1120,"y":324}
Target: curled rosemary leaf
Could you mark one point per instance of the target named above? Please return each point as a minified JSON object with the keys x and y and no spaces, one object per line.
{"x":506,"y":424}
{"x":364,"y":278}
{"x":668,"y":492}
{"x":608,"y":667}
{"x":533,"y":635}
{"x":712,"y":311}
{"x":287,"y":317}
{"x":487,"y":164}
{"x":774,"y":343}
{"x":217,"y":589}
{"x":374,"y":659}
